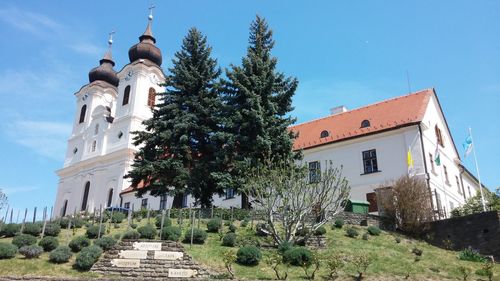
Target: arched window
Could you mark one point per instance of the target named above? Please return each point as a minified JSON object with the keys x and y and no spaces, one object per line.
{"x":94,"y":145}
{"x":126,"y":95}
{"x":151,"y":97}
{"x":365,"y":124}
{"x":64,"y":208}
{"x":110,"y":197}
{"x":324,"y":134}
{"x":82,"y":113}
{"x":85,"y":196}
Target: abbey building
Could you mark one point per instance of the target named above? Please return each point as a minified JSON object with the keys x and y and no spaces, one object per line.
{"x":371,"y":143}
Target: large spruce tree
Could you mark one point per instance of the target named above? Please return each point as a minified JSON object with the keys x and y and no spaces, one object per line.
{"x":259,"y":101}
{"x":179,"y":148}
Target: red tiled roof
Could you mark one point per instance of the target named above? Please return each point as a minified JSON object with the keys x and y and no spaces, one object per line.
{"x":385,"y":115}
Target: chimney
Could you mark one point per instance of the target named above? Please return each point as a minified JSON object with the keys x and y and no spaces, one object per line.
{"x":338,"y":109}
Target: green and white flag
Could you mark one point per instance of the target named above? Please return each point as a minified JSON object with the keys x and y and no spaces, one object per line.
{"x":437,"y":157}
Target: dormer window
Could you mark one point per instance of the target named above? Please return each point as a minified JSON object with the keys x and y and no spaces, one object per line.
{"x":324,"y":134}
{"x":126,"y":95}
{"x":365,"y":124}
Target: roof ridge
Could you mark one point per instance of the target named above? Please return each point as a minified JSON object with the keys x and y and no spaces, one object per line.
{"x":363,"y":107}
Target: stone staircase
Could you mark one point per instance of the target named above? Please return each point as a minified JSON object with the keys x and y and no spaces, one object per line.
{"x":149,"y":259}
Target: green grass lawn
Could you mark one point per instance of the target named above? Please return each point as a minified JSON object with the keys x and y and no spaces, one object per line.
{"x":391,"y":260}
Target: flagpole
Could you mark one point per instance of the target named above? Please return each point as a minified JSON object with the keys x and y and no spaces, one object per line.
{"x":477,"y":169}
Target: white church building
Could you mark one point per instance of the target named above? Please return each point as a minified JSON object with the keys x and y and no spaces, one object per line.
{"x":371,"y":143}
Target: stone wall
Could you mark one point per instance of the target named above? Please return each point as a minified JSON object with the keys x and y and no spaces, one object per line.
{"x":359,"y":219}
{"x":479,"y":231}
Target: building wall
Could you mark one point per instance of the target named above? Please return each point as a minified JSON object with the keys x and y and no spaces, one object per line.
{"x":447,"y":190}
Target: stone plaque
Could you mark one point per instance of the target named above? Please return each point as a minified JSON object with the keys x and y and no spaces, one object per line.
{"x":125,"y":263}
{"x":130,"y":254}
{"x":147,"y":246}
{"x":165,"y":255}
{"x":179,"y":272}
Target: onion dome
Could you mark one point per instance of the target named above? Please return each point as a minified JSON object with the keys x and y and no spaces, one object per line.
{"x":105,"y":71}
{"x":146,"y":48}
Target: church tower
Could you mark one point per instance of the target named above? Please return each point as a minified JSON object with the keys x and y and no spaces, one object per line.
{"x":112,"y":105}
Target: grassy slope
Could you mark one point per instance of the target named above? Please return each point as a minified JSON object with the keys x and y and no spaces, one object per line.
{"x":391,"y":260}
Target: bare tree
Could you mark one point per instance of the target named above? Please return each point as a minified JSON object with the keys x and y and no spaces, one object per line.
{"x":291,"y":201}
{"x":407,"y":204}
{"x":3,"y":199}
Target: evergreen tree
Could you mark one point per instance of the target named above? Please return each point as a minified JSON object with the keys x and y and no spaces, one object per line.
{"x":180,"y":146}
{"x":259,"y":101}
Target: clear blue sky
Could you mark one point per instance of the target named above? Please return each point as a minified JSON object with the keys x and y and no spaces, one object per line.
{"x":343,"y":52}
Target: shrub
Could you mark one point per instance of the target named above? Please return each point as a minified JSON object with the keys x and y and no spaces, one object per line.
{"x":469,"y":254}
{"x":351,"y":232}
{"x":77,"y":222}
{"x":361,"y":262}
{"x":398,"y":240}
{"x":131,"y":234}
{"x":32,"y":228}
{"x":284,"y":246}
{"x":48,"y":243}
{"x":199,"y":236}
{"x":52,"y":229}
{"x":117,"y":236}
{"x":298,"y":256}
{"x":87,"y":257}
{"x":166,"y":221}
{"x":418,"y":252}
{"x":24,"y":240}
{"x":366,"y":236}
{"x":486,"y":270}
{"x":61,"y":254}
{"x":78,"y":243}
{"x":117,"y":217}
{"x":374,"y":230}
{"x":302,"y":231}
{"x":93,"y":231}
{"x":229,"y":240}
{"x":232,"y":228}
{"x":339,"y":223}
{"x":172,"y":233}
{"x":133,"y":225}
{"x":248,"y":255}
{"x":7,"y":251}
{"x":244,"y":223}
{"x":320,"y":231}
{"x":10,"y":230}
{"x":105,"y":242}
{"x":259,"y":229}
{"x":31,"y":251}
{"x":214,"y":225}
{"x":147,"y":231}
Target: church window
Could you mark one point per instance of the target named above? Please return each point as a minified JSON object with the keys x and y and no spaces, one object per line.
{"x":110,"y":197}
{"x":75,"y":150}
{"x":151,"y":97}
{"x":96,"y":129}
{"x":120,"y":134}
{"x":144,"y":203}
{"x":439,"y":136}
{"x":126,"y":95}
{"x":370,"y":161}
{"x":94,"y":145}
{"x":163,"y":202}
{"x":83,"y":111}
{"x":324,"y":134}
{"x":314,"y":172}
{"x":64,"y":208}
{"x":85,"y":196}
{"x":365,"y":124}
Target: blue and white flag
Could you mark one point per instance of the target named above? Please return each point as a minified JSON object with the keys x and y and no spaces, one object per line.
{"x":467,"y":145}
